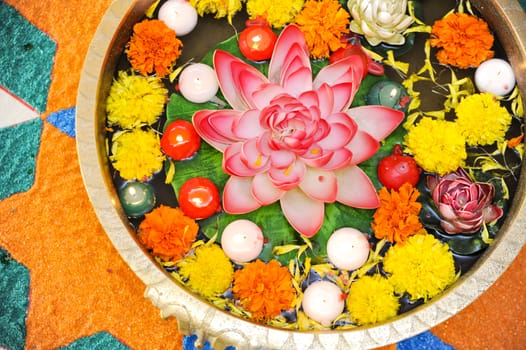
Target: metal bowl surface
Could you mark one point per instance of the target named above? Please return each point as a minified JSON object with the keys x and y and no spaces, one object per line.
{"x":195,"y":315}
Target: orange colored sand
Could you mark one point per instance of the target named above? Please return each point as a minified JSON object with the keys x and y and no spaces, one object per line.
{"x":71,"y":24}
{"x":79,"y":283}
{"x":497,"y":319}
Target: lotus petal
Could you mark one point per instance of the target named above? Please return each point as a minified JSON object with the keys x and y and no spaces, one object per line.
{"x":222,"y":121}
{"x":237,"y":196}
{"x":325,"y":100}
{"x":377,"y":121}
{"x":228,"y":70}
{"x":449,"y":227}
{"x":355,"y":189}
{"x":309,"y":99}
{"x":252,"y":157}
{"x":248,"y":80}
{"x":342,"y":118}
{"x":234,"y":164}
{"x":343,"y":95}
{"x":282,"y":159}
{"x":363,"y":146}
{"x":492,"y":213}
{"x":447,"y":212}
{"x":215,"y":127}
{"x":286,"y":179}
{"x":295,"y":61}
{"x":247,"y":126}
{"x":264,"y":190}
{"x":263,"y":142}
{"x":263,"y":97}
{"x":340,"y":158}
{"x":298,"y":82}
{"x":339,"y":135}
{"x":315,"y":157}
{"x":347,"y":70}
{"x":303,"y":213}
{"x":291,"y":43}
{"x":320,"y":185}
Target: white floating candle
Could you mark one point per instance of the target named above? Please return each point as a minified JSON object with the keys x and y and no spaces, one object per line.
{"x":348,"y":248}
{"x":178,"y":15}
{"x":198,"y":83}
{"x":323,"y":301}
{"x":495,"y":76}
{"x":242,"y":240}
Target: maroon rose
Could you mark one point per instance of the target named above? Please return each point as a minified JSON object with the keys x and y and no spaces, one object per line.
{"x":464,"y":205}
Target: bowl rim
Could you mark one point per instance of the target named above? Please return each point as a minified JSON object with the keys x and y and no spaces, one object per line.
{"x":220,"y":328}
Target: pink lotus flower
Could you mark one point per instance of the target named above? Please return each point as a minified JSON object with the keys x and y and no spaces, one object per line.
{"x":464,"y":205}
{"x":292,"y":139}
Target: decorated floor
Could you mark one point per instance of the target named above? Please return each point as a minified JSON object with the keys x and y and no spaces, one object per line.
{"x":62,"y":283}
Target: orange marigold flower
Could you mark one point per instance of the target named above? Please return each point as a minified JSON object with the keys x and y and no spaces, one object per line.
{"x":167,"y":232}
{"x":153,"y":47}
{"x":264,"y":289}
{"x":464,"y":40}
{"x":323,"y":23}
{"x":397,"y":217}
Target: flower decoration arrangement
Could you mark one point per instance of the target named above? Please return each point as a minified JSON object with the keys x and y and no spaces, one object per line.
{"x":312,"y":166}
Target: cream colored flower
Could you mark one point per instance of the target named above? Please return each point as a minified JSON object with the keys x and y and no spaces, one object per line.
{"x":380,"y":20}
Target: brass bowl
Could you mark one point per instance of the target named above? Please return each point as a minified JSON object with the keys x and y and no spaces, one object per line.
{"x":195,"y":315}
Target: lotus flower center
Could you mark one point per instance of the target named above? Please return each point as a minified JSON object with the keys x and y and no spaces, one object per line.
{"x":292,"y":126}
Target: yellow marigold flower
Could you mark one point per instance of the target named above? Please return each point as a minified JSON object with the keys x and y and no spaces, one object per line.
{"x":135,"y":100}
{"x":371,"y":300}
{"x":482,"y":120}
{"x":136,"y":154}
{"x":209,"y":271}
{"x":423,"y":267}
{"x":219,"y":8}
{"x":278,"y":13}
{"x":264,"y":289}
{"x":397,"y":217}
{"x":436,"y":145}
{"x":323,"y":23}
{"x":153,"y":48}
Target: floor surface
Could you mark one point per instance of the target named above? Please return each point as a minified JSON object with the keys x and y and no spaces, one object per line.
{"x":64,"y":284}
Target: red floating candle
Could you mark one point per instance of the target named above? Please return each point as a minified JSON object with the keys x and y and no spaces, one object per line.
{"x":180,"y":140}
{"x":257,"y":40}
{"x":199,"y":198}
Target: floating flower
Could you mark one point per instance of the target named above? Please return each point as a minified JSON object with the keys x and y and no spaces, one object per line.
{"x":264,"y":289}
{"x":463,"y":40}
{"x":397,"y":217}
{"x":437,"y":145}
{"x":219,"y":8}
{"x":136,"y":154}
{"x":277,"y":13}
{"x":371,"y":300}
{"x":135,"y":100}
{"x":323,"y":23}
{"x":209,"y":271}
{"x":293,"y":140}
{"x":482,"y":120}
{"x":153,"y":48}
{"x":464,"y":205}
{"x":380,"y":21}
{"x":423,"y":267}
{"x":167,"y":232}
